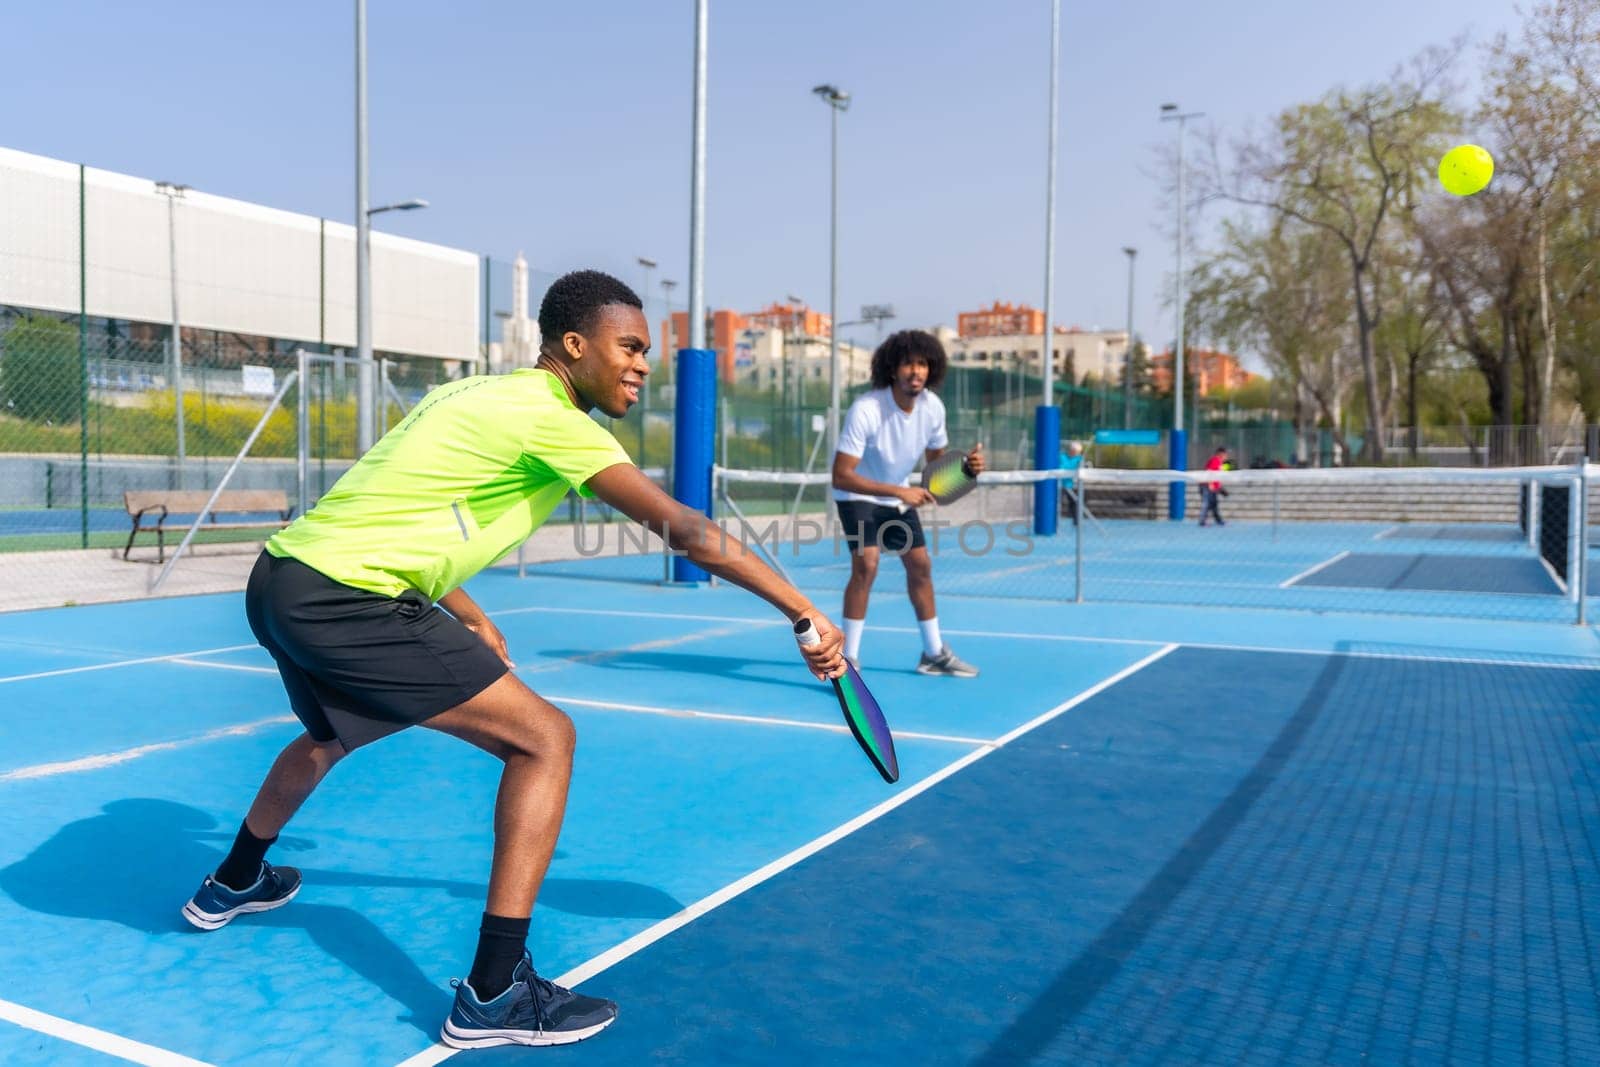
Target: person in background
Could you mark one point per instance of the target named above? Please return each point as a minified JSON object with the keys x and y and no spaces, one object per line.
{"x":1212,"y":492}
{"x":1071,"y":460}
{"x":887,"y":432}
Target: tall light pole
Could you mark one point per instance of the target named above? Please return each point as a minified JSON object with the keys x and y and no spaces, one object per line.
{"x":1172,"y":114}
{"x":1178,"y":455}
{"x":697,"y":182}
{"x":667,"y":285}
{"x":364,"y":375}
{"x":174,"y":192}
{"x":837,"y":101}
{"x":1047,"y":349}
{"x":1047,"y":417}
{"x":794,"y":377}
{"x":648,"y":265}
{"x":1127,"y":359}
{"x":369,"y":406}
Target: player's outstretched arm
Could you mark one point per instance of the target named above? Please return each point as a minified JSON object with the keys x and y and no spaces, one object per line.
{"x":625,"y":488}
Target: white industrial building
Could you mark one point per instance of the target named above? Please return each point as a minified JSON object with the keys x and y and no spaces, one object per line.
{"x":239,"y":267}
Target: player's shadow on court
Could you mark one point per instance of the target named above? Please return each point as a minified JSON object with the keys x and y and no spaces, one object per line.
{"x":736,"y":668}
{"x":139,"y":860}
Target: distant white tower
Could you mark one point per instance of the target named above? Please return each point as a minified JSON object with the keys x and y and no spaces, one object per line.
{"x":519,"y":337}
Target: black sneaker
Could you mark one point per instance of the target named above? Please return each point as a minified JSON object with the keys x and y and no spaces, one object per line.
{"x":946,"y":663}
{"x":532,"y":1012}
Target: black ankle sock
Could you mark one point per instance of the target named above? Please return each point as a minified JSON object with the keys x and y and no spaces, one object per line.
{"x":243,"y":865}
{"x":501,"y":942}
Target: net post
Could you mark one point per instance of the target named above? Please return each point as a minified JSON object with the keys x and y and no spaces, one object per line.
{"x":694,"y":434}
{"x":1177,"y":459}
{"x":1046,"y":456}
{"x":1530,"y":514}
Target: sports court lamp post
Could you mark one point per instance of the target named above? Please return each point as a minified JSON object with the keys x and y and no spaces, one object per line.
{"x":366,"y":390}
{"x":794,"y":377}
{"x":644,"y":393}
{"x":695,"y":399}
{"x":1127,"y":357}
{"x":1178,"y":454}
{"x":837,"y":100}
{"x":1047,"y":417}
{"x":174,"y":192}
{"x":667,"y":285}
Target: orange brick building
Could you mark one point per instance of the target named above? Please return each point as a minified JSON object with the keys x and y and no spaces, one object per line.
{"x":722,"y":333}
{"x":792,"y":319}
{"x":724,"y":327}
{"x":1001,"y":320}
{"x":1209,"y":370}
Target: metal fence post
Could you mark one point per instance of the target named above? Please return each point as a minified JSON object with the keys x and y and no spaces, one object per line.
{"x":1077,"y":534}
{"x":1579,"y":575}
{"x":302,"y":432}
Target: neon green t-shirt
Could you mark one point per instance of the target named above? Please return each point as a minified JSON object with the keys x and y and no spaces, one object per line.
{"x":474,"y":469}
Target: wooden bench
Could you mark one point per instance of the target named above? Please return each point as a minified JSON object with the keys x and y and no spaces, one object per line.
{"x":149,"y":508}
{"x":1117,"y":501}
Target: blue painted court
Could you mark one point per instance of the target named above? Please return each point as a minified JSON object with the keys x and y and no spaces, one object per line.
{"x":1146,"y":834}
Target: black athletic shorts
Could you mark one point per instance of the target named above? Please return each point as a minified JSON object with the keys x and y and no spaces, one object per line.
{"x":358,"y":665}
{"x":880,"y":526}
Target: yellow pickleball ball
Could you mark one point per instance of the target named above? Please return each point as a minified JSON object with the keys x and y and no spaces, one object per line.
{"x":1465,"y":169}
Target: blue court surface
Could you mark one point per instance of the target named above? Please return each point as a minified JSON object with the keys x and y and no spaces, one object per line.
{"x":1461,"y":574}
{"x":1146,"y":834}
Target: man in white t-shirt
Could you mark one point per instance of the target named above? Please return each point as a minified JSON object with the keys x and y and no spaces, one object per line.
{"x":886,"y":433}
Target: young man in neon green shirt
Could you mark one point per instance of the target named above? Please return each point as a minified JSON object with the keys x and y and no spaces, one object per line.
{"x":347,"y":600}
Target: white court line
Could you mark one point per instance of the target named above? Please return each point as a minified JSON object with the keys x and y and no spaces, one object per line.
{"x":1286,"y":583}
{"x":111,"y":759}
{"x":87,"y":1036}
{"x":1554,"y":577}
{"x":438,"y":1053}
{"x":652,"y":709}
{"x":121,"y":663}
{"x":1381,"y":534}
{"x":757,"y":720}
{"x":187,"y":662}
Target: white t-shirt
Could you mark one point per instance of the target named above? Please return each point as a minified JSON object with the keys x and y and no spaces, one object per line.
{"x":890,"y":442}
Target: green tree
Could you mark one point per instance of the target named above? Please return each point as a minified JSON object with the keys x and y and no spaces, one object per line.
{"x":1345,"y":165}
{"x":1283,"y":293}
{"x":40,"y":375}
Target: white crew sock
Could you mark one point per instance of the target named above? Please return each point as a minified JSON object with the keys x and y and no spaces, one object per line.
{"x":931,"y":644}
{"x":852,"y":637}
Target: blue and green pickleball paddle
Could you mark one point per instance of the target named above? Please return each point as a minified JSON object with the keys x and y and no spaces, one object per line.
{"x":861,"y":711}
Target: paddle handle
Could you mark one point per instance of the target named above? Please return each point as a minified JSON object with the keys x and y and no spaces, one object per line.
{"x":805,"y":634}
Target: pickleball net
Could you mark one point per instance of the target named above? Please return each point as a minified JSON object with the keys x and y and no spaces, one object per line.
{"x":1485,"y":543}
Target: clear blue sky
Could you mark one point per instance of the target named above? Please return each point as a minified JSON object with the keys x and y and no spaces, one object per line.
{"x":562,"y":129}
